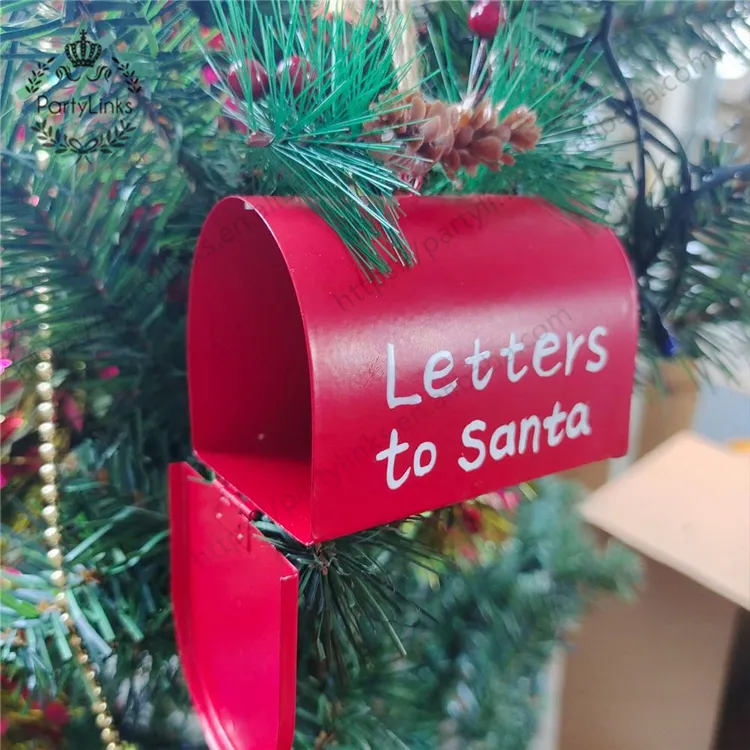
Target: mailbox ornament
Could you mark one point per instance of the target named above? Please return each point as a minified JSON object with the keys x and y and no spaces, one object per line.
{"x":351,"y":403}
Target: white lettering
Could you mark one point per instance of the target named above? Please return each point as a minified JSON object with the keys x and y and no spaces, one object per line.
{"x":393,"y":399}
{"x":472,"y":442}
{"x":509,"y":449}
{"x":574,"y":344}
{"x":551,"y":423}
{"x":431,"y":374}
{"x":573,"y":430}
{"x":526,"y":426}
{"x":479,"y":383}
{"x":427,"y":447}
{"x":510,"y":352}
{"x":597,"y":349}
{"x":547,"y":344}
{"x":390,"y":454}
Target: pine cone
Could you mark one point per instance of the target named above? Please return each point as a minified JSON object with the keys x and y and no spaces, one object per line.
{"x":524,"y":132}
{"x":457,"y":136}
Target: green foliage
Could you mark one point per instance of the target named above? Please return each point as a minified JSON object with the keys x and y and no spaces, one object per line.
{"x":648,"y":38}
{"x":593,"y":58}
{"x":312,"y":134}
{"x":115,"y":269}
{"x":385,"y":660}
{"x":476,"y":646}
{"x":682,"y":234}
{"x":704,"y":291}
{"x":569,"y":166}
{"x":349,"y":593}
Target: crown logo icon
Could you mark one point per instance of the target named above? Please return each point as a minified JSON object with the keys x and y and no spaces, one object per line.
{"x":82,"y":53}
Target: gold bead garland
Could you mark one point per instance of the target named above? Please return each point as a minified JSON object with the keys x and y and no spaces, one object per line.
{"x":48,"y":474}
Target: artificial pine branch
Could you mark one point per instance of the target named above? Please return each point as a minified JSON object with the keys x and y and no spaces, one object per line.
{"x":350,"y":585}
{"x":649,"y":36}
{"x":469,"y":679}
{"x":658,"y":228}
{"x":310,"y":120}
{"x":518,"y":72}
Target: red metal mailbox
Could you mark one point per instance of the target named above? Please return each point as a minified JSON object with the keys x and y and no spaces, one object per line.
{"x":335,"y":404}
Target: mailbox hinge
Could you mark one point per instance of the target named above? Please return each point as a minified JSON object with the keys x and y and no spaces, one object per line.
{"x":235,"y":512}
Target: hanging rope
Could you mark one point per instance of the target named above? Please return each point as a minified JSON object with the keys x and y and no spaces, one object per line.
{"x":400,"y":18}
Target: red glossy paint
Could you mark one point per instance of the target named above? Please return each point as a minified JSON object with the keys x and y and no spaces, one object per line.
{"x":288,"y":352}
{"x":235,"y":612}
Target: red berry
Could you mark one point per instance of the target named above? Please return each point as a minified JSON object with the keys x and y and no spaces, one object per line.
{"x":24,"y":465}
{"x":109,"y":372}
{"x":258,"y":79}
{"x":71,"y":411}
{"x":485,"y":18}
{"x":472,"y":519}
{"x":233,"y":79}
{"x":217,"y":42}
{"x":12,"y":423}
{"x":138,"y":213}
{"x":8,"y":387}
{"x":300,"y":73}
{"x":208,"y":74}
{"x":233,"y":122}
{"x":56,"y":713}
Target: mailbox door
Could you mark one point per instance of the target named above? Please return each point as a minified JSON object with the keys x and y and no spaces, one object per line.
{"x":235,"y":610}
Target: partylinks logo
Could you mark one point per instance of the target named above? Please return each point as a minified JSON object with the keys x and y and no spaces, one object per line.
{"x":84,"y":68}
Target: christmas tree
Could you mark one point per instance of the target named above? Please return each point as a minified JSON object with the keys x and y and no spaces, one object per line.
{"x":432,"y":632}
